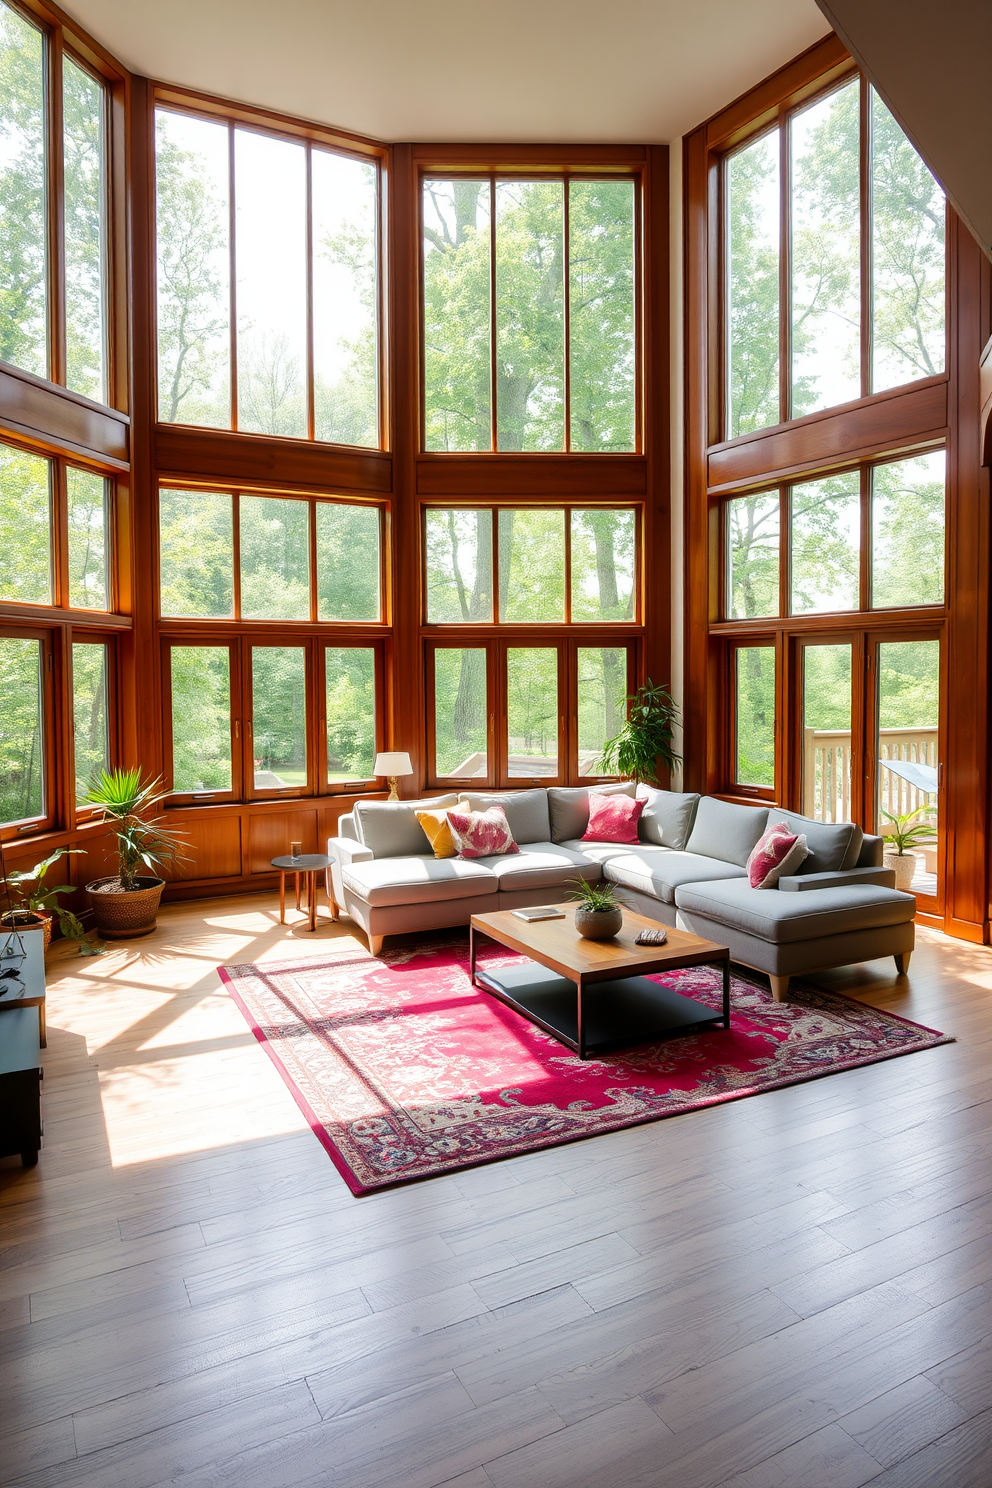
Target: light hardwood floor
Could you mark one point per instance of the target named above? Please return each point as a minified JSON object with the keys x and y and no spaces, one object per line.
{"x":790,"y":1290}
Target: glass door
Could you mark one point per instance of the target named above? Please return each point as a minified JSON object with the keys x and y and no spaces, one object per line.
{"x":828,"y":776}
{"x":906,"y":767}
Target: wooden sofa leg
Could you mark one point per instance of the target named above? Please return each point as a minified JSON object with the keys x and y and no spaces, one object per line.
{"x":375,"y":943}
{"x":780,"y":987}
{"x":902,"y":962}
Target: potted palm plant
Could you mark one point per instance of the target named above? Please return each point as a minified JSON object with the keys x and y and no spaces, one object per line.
{"x":644,"y":744}
{"x":125,"y":904}
{"x":904,"y":834}
{"x":599,"y":913}
{"x":34,"y":908}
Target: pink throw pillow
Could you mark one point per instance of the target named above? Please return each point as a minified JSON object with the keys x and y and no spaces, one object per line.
{"x":777,"y":852}
{"x":482,"y":834}
{"x":612,"y":818}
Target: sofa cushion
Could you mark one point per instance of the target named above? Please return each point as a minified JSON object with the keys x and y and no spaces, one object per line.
{"x":613,"y":819}
{"x":482,"y":834}
{"x":391,"y":828}
{"x":438,"y":832}
{"x":569,"y":806}
{"x":542,"y":865}
{"x":830,"y":843}
{"x":667,"y":817}
{"x":776,"y":852}
{"x":417,"y":880}
{"x":658,"y":872}
{"x":783,"y":918}
{"x":526,"y":811}
{"x":726,"y":831}
{"x":595,"y":852}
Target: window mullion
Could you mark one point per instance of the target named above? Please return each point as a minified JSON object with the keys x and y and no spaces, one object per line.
{"x":55,"y":191}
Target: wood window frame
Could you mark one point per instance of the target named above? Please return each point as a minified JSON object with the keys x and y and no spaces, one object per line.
{"x":312,"y":137}
{"x":487,"y":170}
{"x":496,"y":644}
{"x":62,"y":38}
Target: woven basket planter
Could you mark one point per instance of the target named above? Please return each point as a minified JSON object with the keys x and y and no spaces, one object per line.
{"x":124,"y":914}
{"x":35,"y":919}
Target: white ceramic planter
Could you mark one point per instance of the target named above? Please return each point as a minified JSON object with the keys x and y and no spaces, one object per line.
{"x":904,"y":866}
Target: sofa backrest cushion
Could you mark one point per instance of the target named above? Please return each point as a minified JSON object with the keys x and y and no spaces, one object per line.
{"x":569,"y":807}
{"x":667,"y":817}
{"x":871,"y":852}
{"x":526,"y":811}
{"x":831,"y":844}
{"x":726,"y":831}
{"x":390,"y":829}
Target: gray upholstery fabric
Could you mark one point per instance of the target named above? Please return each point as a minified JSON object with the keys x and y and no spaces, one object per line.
{"x":526,"y":811}
{"x":658,"y":872}
{"x":872,"y":852}
{"x":667,"y":817}
{"x":793,"y":958}
{"x":830,"y":843}
{"x":853,"y":855}
{"x":569,"y":807}
{"x":885,"y":878}
{"x":792,"y":917}
{"x":726,"y":831}
{"x":417,"y":880}
{"x":541,"y":865}
{"x":391,"y":828}
{"x":598,"y":852}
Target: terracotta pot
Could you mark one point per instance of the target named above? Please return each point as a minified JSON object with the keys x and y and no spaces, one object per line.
{"x":598,"y":924}
{"x":30,"y":919}
{"x":903,"y":865}
{"x":124,"y":914}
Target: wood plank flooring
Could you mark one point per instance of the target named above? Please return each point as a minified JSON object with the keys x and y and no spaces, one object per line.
{"x":790,"y":1290}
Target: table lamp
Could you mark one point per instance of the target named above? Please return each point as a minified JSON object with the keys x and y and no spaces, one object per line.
{"x":391,"y":765}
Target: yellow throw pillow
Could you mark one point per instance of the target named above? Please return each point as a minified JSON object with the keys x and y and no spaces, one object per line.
{"x":435,"y":824}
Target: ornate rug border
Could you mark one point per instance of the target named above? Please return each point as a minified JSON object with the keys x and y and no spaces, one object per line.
{"x":359,"y":1189}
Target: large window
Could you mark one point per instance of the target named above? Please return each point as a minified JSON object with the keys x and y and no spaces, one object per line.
{"x":53,"y":170}
{"x":837,"y":194}
{"x":54,"y":532}
{"x":228,"y":556}
{"x":529,"y":314}
{"x":268,"y":282}
{"x":530,"y":700}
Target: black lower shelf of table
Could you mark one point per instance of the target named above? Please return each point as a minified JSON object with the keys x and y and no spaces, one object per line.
{"x":616,"y":1015}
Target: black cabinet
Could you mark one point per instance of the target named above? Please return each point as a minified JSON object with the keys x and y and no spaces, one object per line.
{"x":22,"y":1002}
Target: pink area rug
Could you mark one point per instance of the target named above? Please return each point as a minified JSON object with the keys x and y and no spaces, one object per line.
{"x":405,"y":1070}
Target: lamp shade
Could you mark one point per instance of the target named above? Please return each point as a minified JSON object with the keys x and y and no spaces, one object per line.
{"x":392,"y":764}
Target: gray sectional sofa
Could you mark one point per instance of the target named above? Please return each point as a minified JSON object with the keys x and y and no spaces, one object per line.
{"x":687,"y":869}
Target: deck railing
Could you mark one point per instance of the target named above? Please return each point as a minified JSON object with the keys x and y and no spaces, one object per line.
{"x":827,"y":771}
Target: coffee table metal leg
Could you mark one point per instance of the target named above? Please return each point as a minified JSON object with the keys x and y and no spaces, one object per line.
{"x":579,"y":1029}
{"x":726,"y":993}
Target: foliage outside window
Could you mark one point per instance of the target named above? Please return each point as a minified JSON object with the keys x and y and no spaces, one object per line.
{"x":535,"y":548}
{"x":275,"y":538}
{"x":830,"y":314}
{"x":754,"y":713}
{"x":901,"y":501}
{"x":201,"y":718}
{"x":35,"y":567}
{"x":529,"y":314}
{"x":279,"y":717}
{"x":22,"y":738}
{"x":90,"y":713}
{"x":31,"y":278}
{"x":306,"y":327}
{"x":351,"y":709}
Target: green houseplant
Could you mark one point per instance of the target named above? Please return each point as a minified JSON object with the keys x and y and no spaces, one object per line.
{"x":33,"y":907}
{"x":599,"y":913}
{"x":125,"y":904}
{"x":906,"y":831}
{"x":644,"y":744}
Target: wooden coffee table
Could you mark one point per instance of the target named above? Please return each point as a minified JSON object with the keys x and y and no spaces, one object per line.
{"x":594,"y":994}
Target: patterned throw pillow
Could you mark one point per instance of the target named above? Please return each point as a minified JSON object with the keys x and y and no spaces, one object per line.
{"x":612,"y":818}
{"x":777,"y":853}
{"x":482,"y":834}
{"x":435,"y":825}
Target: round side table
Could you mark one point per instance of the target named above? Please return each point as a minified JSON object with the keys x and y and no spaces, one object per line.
{"x":309,"y":864}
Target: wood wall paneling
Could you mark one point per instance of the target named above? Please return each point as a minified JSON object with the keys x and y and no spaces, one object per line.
{"x":258,"y":460}
{"x":544,"y":476}
{"x":62,"y":422}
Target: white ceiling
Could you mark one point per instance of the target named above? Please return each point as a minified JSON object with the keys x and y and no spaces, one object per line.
{"x":635,"y":71}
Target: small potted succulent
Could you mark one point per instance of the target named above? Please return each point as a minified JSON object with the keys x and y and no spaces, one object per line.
{"x":599,"y":914}
{"x":904,"y":834}
{"x":34,"y":908}
{"x":125,"y":904}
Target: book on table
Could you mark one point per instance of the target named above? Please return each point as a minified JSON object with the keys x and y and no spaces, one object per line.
{"x":540,"y":912}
